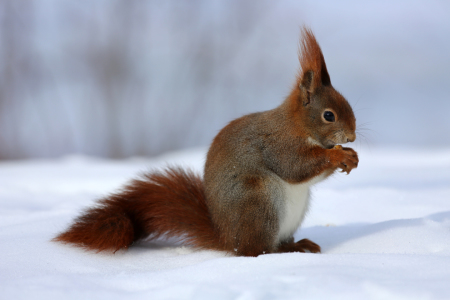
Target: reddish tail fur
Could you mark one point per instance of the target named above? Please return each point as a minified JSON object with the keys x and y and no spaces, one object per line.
{"x":171,"y":203}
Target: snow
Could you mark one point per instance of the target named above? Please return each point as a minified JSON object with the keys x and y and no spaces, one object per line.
{"x":384,"y":231}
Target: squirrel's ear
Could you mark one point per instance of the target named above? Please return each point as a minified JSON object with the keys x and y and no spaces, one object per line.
{"x":314,"y":71}
{"x":306,"y":86}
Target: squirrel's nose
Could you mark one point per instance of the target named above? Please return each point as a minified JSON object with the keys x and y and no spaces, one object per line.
{"x":351,"y":137}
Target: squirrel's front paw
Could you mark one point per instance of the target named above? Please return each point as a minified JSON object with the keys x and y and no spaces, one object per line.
{"x":346,"y":159}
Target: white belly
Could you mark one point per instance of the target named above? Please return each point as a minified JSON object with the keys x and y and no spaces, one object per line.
{"x":296,"y":203}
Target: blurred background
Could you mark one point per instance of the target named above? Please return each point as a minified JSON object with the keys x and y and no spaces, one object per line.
{"x":139,"y":78}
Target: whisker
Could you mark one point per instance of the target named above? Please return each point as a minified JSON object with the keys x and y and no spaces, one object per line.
{"x":362,"y":138}
{"x":364,"y":124}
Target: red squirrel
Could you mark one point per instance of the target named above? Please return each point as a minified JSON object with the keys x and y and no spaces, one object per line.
{"x":257,"y":178}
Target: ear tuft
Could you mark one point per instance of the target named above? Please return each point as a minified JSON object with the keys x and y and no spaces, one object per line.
{"x":312,"y":61}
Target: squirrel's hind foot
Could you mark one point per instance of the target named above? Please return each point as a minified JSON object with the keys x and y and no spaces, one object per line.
{"x":300,"y":246}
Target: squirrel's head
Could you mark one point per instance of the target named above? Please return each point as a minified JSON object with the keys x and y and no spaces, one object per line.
{"x":324,"y":113}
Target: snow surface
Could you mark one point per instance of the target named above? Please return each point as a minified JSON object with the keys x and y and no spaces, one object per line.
{"x":384,"y":231}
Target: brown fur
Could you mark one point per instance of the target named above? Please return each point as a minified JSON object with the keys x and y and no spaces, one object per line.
{"x":239,"y":206}
{"x":311,"y":59}
{"x":170,"y":203}
{"x":300,"y":246}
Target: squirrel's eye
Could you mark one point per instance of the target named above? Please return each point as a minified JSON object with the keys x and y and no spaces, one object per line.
{"x":329,"y":116}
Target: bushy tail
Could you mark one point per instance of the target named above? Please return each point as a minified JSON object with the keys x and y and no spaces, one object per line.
{"x":170,"y":203}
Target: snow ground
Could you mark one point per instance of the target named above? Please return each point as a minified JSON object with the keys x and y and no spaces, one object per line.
{"x":384,"y":231}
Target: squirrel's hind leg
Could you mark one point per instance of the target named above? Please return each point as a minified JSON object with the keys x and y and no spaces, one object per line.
{"x":254,"y":234}
{"x":300,"y":246}
{"x":250,"y":224}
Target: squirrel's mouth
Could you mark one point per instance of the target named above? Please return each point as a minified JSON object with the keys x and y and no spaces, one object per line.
{"x":329,"y":144}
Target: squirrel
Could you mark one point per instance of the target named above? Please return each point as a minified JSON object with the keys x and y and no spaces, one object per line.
{"x":257,"y":177}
